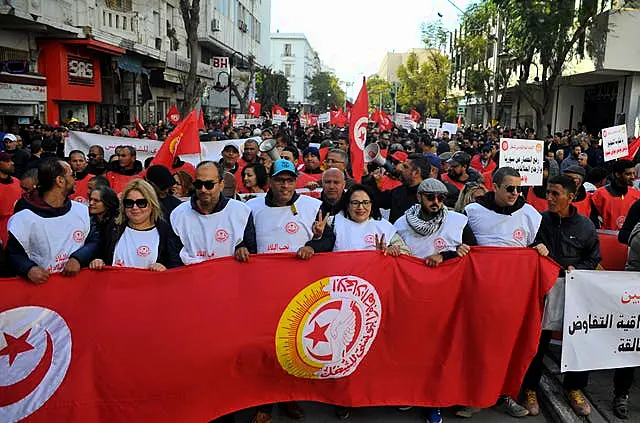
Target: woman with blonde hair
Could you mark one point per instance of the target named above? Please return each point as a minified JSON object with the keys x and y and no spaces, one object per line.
{"x":139,"y":238}
{"x":469,"y":194}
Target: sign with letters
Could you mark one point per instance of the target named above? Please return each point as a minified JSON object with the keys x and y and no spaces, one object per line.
{"x":614,"y":142}
{"x":80,"y":70}
{"x":525,"y":156}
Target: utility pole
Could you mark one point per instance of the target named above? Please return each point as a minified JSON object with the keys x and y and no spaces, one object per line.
{"x":395,"y":98}
{"x":496,"y":47}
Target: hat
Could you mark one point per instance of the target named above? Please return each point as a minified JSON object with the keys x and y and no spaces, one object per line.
{"x":10,"y":137}
{"x":283,"y":165}
{"x":231,"y":147}
{"x":576,"y":170}
{"x":5,"y":157}
{"x":459,"y":157}
{"x":445,"y":156}
{"x":326,"y":144}
{"x":257,"y":132}
{"x":432,"y":185}
{"x":160,"y":176}
{"x":395,"y":147}
{"x":486,"y":149}
{"x":311,"y":150}
{"x":400,"y":156}
{"x":434,"y":160}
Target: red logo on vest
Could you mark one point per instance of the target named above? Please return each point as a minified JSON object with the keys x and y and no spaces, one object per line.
{"x":620,"y":221}
{"x":78,"y":236}
{"x":291,"y":228}
{"x":143,"y":251}
{"x":439,"y":244}
{"x":370,"y":239}
{"x":518,"y":234}
{"x":222,"y":235}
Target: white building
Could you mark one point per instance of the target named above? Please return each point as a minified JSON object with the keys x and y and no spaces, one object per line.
{"x":110,"y":60}
{"x":292,"y":55}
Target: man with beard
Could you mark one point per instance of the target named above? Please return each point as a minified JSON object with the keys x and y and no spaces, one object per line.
{"x":459,"y":172}
{"x":19,"y":156}
{"x":10,"y":193}
{"x":482,"y":162}
{"x":79,"y":167}
{"x":573,"y":159}
{"x":211,"y":225}
{"x":612,"y":202}
{"x":50,"y":233}
{"x":97,"y":163}
{"x":582,"y":199}
{"x":125,"y":169}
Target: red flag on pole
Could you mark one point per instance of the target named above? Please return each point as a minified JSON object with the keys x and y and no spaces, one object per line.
{"x":382,"y":119}
{"x":277,"y":110}
{"x":201,"y":120}
{"x":337,"y":118}
{"x":173,"y":115}
{"x":184,"y":139}
{"x":634,"y":146}
{"x":254,"y":108}
{"x":358,"y":131}
{"x":415,"y":116}
{"x":139,"y":126}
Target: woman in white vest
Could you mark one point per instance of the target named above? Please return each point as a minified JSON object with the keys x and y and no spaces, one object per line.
{"x":431,"y":231}
{"x":139,"y":238}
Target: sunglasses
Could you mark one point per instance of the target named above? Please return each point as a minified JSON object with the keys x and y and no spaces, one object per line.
{"x":92,"y":156}
{"x":434,"y":197}
{"x":128,"y":203}
{"x":512,"y":189}
{"x":198,"y":184}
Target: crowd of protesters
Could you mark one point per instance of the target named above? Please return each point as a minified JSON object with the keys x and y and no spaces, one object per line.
{"x":440,"y":194}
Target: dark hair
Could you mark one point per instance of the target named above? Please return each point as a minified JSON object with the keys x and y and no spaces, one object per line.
{"x":48,"y":170}
{"x":72,"y":152}
{"x":619,"y":166}
{"x":596,"y":175}
{"x":49,"y":145}
{"x":566,"y":181}
{"x":186,"y":180}
{"x":420,"y":162}
{"x":99,"y":147}
{"x":110,"y":200}
{"x":293,"y":150}
{"x":132,"y":151}
{"x":147,"y":162}
{"x":31,"y":173}
{"x":344,"y":201}
{"x":217,"y":165}
{"x":260,"y":171}
{"x":101,"y":181}
{"x":252,"y":140}
{"x":503,"y":172}
{"x":36,"y":145}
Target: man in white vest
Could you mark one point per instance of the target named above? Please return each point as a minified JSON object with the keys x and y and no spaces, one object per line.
{"x":431,"y":231}
{"x":285,"y":222}
{"x":211,"y":225}
{"x":50,"y":233}
{"x":503,"y":219}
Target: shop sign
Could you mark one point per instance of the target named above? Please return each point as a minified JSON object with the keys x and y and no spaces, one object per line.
{"x":22,"y":92}
{"x":80,"y":70}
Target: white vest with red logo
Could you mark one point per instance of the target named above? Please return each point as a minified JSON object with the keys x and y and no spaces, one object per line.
{"x":352,"y":236}
{"x":138,"y":249}
{"x":50,"y":241}
{"x":447,"y":238}
{"x":208,"y":236}
{"x":502,"y":230}
{"x":279,"y":229}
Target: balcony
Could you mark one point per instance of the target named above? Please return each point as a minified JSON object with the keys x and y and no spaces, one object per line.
{"x":121,"y":24}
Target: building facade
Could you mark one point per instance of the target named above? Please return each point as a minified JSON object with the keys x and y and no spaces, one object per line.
{"x":108,"y":61}
{"x":391,"y":63}
{"x":292,"y":55}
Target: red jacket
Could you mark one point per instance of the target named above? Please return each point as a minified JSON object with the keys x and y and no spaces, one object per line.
{"x":10,"y":192}
{"x":476,"y":163}
{"x":613,"y":210}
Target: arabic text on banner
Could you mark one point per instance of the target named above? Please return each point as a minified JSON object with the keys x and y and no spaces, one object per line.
{"x":279,"y":119}
{"x":432,"y":123}
{"x":526,"y":156}
{"x":324,"y":118}
{"x":452,"y":128}
{"x":614,"y":142}
{"x":601,"y":320}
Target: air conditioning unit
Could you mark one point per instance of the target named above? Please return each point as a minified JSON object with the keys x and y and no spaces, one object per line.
{"x":215,"y":25}
{"x":242,"y":26}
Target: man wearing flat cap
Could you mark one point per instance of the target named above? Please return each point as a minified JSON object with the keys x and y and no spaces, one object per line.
{"x":582,"y":200}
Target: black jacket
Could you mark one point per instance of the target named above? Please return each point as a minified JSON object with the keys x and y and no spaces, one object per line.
{"x":572,"y":241}
{"x":633,"y":217}
{"x":168,"y":248}
{"x":398,"y":200}
{"x":97,"y":170}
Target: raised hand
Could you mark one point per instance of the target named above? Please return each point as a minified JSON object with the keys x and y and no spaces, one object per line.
{"x":319,"y":225}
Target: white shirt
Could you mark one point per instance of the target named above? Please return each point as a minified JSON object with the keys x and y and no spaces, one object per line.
{"x":352,"y":235}
{"x":137,"y":249}
{"x":447,"y":238}
{"x":501,"y":230}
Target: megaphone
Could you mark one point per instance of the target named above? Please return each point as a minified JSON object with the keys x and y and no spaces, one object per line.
{"x":269,"y":146}
{"x":372,"y":155}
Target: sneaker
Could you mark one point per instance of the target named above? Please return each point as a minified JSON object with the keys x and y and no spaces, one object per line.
{"x":621,"y":406}
{"x":579,"y":403}
{"x":293,"y":410}
{"x":433,"y":415}
{"x":405,"y":408}
{"x":531,"y":402}
{"x":467,"y":412}
{"x":512,"y":408}
{"x":261,"y":417}
{"x":343,"y":413}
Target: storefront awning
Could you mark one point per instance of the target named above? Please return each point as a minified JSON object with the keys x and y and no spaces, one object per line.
{"x":98,"y":46}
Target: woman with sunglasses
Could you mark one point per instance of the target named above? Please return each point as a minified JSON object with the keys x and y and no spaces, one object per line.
{"x":469,"y":194}
{"x":138,"y":237}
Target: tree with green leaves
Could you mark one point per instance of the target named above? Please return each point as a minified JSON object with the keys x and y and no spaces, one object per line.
{"x":378,"y":89}
{"x":325,"y":91}
{"x":272,"y":88}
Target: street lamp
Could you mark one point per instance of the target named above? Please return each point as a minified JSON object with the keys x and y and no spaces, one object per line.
{"x":220,"y":88}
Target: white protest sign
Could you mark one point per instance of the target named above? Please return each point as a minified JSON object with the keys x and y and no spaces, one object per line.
{"x":525,"y":156}
{"x":614,"y":142}
{"x":432,"y":123}
{"x":451,"y":128}
{"x":324,"y":118}
{"x":399,"y":118}
{"x":279,"y":119}
{"x":601,"y":320}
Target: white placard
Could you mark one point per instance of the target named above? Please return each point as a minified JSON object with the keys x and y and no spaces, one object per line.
{"x":279,"y":119}
{"x":452,"y":128}
{"x":324,"y":118}
{"x":614,"y":142}
{"x":526,"y":156}
{"x":601,"y":320}
{"x":432,"y":123}
{"x":399,"y":118}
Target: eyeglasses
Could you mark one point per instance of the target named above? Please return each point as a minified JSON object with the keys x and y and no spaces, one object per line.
{"x":92,"y":156}
{"x":198,"y":184}
{"x":356,"y":204}
{"x":283,"y":181}
{"x":128,"y":203}
{"x":433,"y":197}
{"x":512,"y":189}
{"x":332,"y":161}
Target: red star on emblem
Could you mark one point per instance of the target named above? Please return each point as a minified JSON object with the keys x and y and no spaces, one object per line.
{"x":16,"y":346}
{"x":318,"y":334}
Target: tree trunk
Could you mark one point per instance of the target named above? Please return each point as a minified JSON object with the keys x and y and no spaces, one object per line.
{"x":192,"y":85}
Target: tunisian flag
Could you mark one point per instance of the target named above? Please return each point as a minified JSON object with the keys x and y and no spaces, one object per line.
{"x":254,"y":108}
{"x":415,"y":116}
{"x":173,"y":115}
{"x":354,"y":329}
{"x":358,"y":131}
{"x":337,"y":118}
{"x":382,"y":119}
{"x":184,"y":139}
{"x":278,"y":110}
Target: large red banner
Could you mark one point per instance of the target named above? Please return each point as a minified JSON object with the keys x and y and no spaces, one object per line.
{"x":191,"y":344}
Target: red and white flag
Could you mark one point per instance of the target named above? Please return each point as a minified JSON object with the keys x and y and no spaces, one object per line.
{"x":338,"y":118}
{"x":139,"y":126}
{"x":415,"y":116}
{"x":358,"y":131}
{"x":382,"y":119}
{"x":184,"y":139}
{"x":173,"y":115}
{"x":278,"y":110}
{"x":254,"y":109}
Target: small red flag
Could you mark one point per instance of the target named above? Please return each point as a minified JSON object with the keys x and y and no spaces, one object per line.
{"x":184,"y":139}
{"x":173,"y":115}
{"x":358,"y":131}
{"x":634,"y":146}
{"x":277,"y":110}
{"x":415,"y":116}
{"x":254,"y":108}
{"x":382,"y":119}
{"x":201,"y":120}
{"x":338,"y":118}
{"x":139,"y":126}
